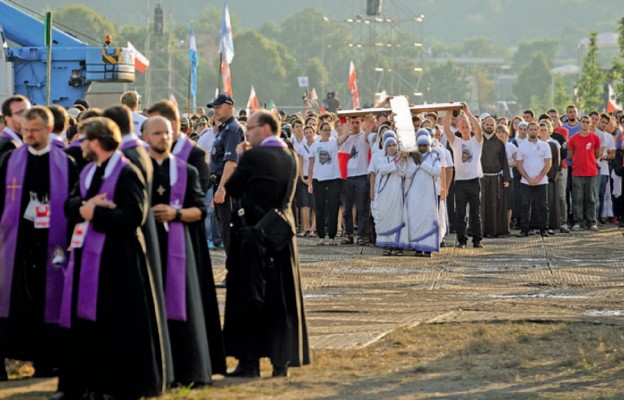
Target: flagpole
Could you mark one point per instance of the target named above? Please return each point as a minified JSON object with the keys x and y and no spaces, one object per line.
{"x":188,"y":93}
{"x":220,"y":83}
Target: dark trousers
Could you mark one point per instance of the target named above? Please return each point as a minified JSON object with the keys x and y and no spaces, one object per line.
{"x":584,"y":199}
{"x":601,"y":188}
{"x":355,"y":190}
{"x":468,"y":193}
{"x":224,"y":214}
{"x":326,"y":201}
{"x":534,"y":196}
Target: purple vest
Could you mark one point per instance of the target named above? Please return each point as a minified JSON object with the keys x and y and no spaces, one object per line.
{"x":91,"y":257}
{"x":175,"y":281}
{"x":57,"y":235}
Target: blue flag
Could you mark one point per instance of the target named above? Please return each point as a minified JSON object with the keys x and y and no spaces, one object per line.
{"x":193,"y":61}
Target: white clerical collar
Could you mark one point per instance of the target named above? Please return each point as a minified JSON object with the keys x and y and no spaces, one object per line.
{"x":12,"y":134}
{"x":129,"y":138}
{"x":114,"y":159}
{"x":41,"y":152}
{"x":177,"y":148}
{"x":54,"y":136}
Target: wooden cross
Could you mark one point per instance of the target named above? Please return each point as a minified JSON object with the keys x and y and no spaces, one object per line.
{"x":14,"y":186}
{"x":160,"y":190}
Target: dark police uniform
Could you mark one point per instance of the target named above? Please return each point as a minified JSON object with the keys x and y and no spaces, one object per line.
{"x":223,"y":150}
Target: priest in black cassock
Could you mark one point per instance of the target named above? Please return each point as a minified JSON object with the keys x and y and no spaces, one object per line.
{"x":496,"y":177}
{"x":188,"y":151}
{"x":134,"y":149}
{"x":177,"y":201}
{"x":74,"y":148}
{"x":272,"y":326}
{"x":13,"y":109}
{"x":36,"y":179}
{"x":111,"y":348}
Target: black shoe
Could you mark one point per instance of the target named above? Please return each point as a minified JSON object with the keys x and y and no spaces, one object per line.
{"x":244,"y":372}
{"x":477,"y":245}
{"x":280,"y":372}
{"x":461,"y":245}
{"x":222,"y":284}
{"x":523,"y":234}
{"x":426,"y":254}
{"x":347,"y":240}
{"x":544,"y":233}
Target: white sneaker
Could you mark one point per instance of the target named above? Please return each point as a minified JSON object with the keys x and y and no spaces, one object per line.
{"x":576,"y":227}
{"x":594,"y":228}
{"x":564,"y":228}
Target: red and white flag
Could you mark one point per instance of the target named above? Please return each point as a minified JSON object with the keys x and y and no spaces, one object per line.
{"x":252,"y":103}
{"x":227,"y":79}
{"x":355,"y":95}
{"x":313,"y":95}
{"x":141,"y":63}
{"x":612,"y":104}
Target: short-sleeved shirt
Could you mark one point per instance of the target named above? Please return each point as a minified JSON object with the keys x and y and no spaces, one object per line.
{"x":305,"y":151}
{"x":137,"y":123}
{"x":534,"y":156}
{"x":467,"y":159}
{"x":357,"y":147}
{"x":584,"y":156}
{"x":609,"y":145}
{"x":224,"y":147}
{"x":326,"y":164}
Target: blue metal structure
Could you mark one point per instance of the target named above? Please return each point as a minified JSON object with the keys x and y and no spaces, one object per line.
{"x":75,"y":64}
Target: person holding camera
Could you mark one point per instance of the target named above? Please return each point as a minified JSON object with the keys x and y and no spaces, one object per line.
{"x":264,"y":314}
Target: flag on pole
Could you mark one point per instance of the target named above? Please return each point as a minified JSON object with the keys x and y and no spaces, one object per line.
{"x":612,"y":104}
{"x":252,"y":103}
{"x":227,"y":79}
{"x":272,"y":107}
{"x":355,"y":95}
{"x":226,"y":47}
{"x":193,"y":62}
{"x":313,"y":95}
{"x":141,"y":63}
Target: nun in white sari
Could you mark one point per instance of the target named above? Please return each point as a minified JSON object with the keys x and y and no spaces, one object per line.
{"x":421,"y":170}
{"x":387,"y":198}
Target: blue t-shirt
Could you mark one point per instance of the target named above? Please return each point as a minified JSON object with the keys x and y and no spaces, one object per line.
{"x":572,"y":130}
{"x":224,"y":147}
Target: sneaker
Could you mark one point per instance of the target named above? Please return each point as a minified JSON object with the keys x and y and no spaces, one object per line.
{"x":576,"y":227}
{"x":523,"y":234}
{"x":477,"y":245}
{"x":331,"y":242}
{"x":544,"y":233}
{"x":211,"y":245}
{"x":564,"y":229}
{"x":594,"y":228}
{"x":461,"y":245}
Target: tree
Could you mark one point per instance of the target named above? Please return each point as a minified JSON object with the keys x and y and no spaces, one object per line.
{"x":82,"y":21}
{"x":527,"y":48}
{"x":486,"y":94}
{"x":617,"y":72}
{"x":562,"y":94}
{"x":480,"y":46}
{"x":590,"y":85}
{"x":534,"y":81}
{"x":444,"y":82}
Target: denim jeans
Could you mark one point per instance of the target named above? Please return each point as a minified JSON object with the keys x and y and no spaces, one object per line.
{"x":213,"y":233}
{"x":601,"y":188}
{"x":584,"y":199}
{"x":561,"y":194}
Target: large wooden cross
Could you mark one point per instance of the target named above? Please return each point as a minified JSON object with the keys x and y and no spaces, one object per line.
{"x":414,"y":109}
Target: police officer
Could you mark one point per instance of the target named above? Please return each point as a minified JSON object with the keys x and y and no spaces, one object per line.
{"x":224,"y":160}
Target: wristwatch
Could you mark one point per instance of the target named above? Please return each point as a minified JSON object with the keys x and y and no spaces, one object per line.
{"x":178,"y":215}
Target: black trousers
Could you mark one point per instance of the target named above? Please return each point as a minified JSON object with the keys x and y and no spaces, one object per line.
{"x":326,"y":202}
{"x":468,"y":193}
{"x":534,"y":196}
{"x":224,"y":215}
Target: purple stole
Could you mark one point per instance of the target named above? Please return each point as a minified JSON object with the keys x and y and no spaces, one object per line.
{"x":185,"y":151}
{"x":57,"y":143}
{"x":76,"y":143}
{"x":93,"y":246}
{"x":131,"y":144}
{"x":274,"y":142}
{"x":175,"y":281}
{"x":57,"y":235}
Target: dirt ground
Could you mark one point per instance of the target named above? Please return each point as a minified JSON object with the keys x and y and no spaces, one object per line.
{"x":523,"y":318}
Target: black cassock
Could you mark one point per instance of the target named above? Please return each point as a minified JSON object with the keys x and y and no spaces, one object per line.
{"x":118,"y":353}
{"x":277,"y":328}
{"x":189,"y":343}
{"x":139,"y":157}
{"x":199,"y":159}
{"x":76,"y":153}
{"x":24,"y":335}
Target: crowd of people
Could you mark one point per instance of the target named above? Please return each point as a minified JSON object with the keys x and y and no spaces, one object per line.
{"x":107,"y":218}
{"x":105,"y":272}
{"x":478,"y":177}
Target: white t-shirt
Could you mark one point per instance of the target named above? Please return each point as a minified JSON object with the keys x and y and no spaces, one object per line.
{"x":467,"y":159}
{"x":510,"y":151}
{"x":325,"y":160}
{"x":305,"y":151}
{"x":297,"y":144}
{"x":357,"y":146}
{"x":137,"y":122}
{"x":441,"y":152}
{"x":608,"y":144}
{"x":533,"y":156}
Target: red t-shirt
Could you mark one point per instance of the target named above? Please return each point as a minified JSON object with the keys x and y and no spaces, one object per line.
{"x":584,"y":156}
